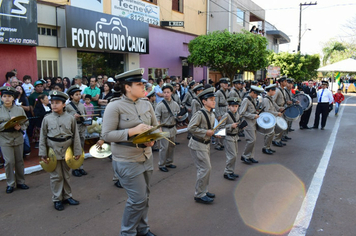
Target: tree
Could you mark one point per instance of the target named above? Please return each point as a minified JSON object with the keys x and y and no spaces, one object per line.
{"x":297,"y":66}
{"x":330,"y":48}
{"x":228,"y":52}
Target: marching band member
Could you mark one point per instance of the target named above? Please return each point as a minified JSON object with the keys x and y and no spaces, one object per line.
{"x":166,"y":113}
{"x":196,"y":103}
{"x":237,"y":90}
{"x":187,"y":101}
{"x":232,"y":138}
{"x":201,"y":127}
{"x":11,"y":140}
{"x":249,"y":112}
{"x":59,"y":131}
{"x":124,"y":118}
{"x":290,"y":100}
{"x":280,"y":99}
{"x":221,"y":106}
{"x":271,"y":107}
{"x":77,"y":109}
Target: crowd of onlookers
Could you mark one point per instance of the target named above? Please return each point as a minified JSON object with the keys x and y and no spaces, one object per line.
{"x":258,"y":31}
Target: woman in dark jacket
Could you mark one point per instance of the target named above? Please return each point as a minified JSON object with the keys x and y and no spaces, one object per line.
{"x":42,"y":108}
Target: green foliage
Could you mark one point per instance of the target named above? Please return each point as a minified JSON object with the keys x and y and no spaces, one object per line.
{"x":228,"y":52}
{"x":331,"y":47}
{"x":101,"y":63}
{"x":297,"y":66}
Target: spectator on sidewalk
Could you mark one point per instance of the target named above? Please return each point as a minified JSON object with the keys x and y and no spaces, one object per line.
{"x":338,"y":98}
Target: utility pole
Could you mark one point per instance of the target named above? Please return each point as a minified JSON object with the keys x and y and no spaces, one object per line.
{"x":300,"y":21}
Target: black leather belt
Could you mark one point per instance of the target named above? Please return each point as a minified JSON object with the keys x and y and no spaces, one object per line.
{"x":10,"y":130}
{"x":201,"y":140}
{"x":168,"y":126}
{"x":59,"y":139}
{"x":231,"y":134}
{"x":131,"y":144}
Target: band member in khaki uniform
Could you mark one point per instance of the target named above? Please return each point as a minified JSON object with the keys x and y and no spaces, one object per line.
{"x":175,"y":96}
{"x":201,"y":127}
{"x":152,"y":99}
{"x":237,"y":90}
{"x":280,"y":99}
{"x":290,"y":100}
{"x":250,"y":114}
{"x":168,"y":118}
{"x":59,"y":131}
{"x":196,"y":103}
{"x":11,"y":140}
{"x":187,"y":102}
{"x":231,"y":138}
{"x":76,"y":109}
{"x":133,"y":163}
{"x":221,"y":106}
{"x":270,"y":106}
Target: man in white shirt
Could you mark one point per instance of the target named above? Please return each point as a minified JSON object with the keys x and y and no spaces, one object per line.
{"x":78,"y":81}
{"x":325,"y":98}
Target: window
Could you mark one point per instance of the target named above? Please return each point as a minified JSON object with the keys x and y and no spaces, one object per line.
{"x":47,"y":68}
{"x":47,"y":31}
{"x":240,"y":16}
{"x":151,"y":1}
{"x":177,"y":5}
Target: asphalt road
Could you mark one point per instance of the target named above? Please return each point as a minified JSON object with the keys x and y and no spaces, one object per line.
{"x":265,"y":200}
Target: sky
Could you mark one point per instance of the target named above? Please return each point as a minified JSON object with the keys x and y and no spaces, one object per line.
{"x":326,"y":21}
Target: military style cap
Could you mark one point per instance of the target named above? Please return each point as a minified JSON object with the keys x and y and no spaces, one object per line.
{"x":324,"y":82}
{"x":131,"y":76}
{"x":271,"y":86}
{"x":234,"y":101}
{"x":73,"y":89}
{"x":174,"y":84}
{"x":38,"y":82}
{"x":167,"y":85}
{"x":191,"y":83}
{"x":224,"y":80}
{"x":237,"y":81}
{"x":77,"y":77}
{"x":150,"y":94}
{"x":290,"y":80}
{"x":7,"y":90}
{"x":198,"y":87}
{"x":207,"y":93}
{"x":57,"y":95}
{"x":256,"y":89}
{"x":254,"y":82}
{"x":281,"y":79}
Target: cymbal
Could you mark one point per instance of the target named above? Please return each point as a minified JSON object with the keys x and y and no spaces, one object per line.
{"x":102,"y":152}
{"x":52,"y":161}
{"x":146,"y":132}
{"x":150,"y":137}
{"x":71,"y":162}
{"x":14,"y":121}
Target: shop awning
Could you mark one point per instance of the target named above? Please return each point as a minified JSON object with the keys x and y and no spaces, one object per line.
{"x":283,"y":38}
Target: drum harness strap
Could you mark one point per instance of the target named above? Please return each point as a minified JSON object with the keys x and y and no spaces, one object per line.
{"x":209,"y":127}
{"x":285,"y":100}
{"x":249,"y":98}
{"x":234,"y":119}
{"x":201,"y":105}
{"x":223,"y":93}
{"x":81,"y":119}
{"x":171,"y":113}
{"x":238,"y":94}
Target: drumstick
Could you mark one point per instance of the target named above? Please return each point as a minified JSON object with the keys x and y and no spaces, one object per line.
{"x":219,"y":123}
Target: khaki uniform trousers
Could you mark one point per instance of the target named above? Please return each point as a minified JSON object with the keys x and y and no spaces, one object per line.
{"x":135,"y":179}
{"x":250,"y":136}
{"x":202,"y":163}
{"x":268,"y":140}
{"x":231,"y":149}
{"x":166,"y":152}
{"x":13,"y":157}
{"x":59,"y":181}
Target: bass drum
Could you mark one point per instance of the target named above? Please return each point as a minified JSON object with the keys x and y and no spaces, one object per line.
{"x":281,"y":125}
{"x":266,"y":123}
{"x":301,"y":110}
{"x":304,"y":100}
{"x":292,"y":112}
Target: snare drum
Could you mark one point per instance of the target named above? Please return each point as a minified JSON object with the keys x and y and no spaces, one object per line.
{"x":304,"y":100}
{"x":292,"y":112}
{"x":281,"y":125}
{"x":265,"y":123}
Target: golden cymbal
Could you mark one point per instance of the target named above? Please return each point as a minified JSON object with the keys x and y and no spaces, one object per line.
{"x":146,"y":132}
{"x":52,"y":161}
{"x":14,"y":121}
{"x":150,"y":137}
{"x":102,"y":152}
{"x":71,"y":162}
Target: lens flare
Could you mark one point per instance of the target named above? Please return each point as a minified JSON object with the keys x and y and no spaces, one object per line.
{"x":268,"y":198}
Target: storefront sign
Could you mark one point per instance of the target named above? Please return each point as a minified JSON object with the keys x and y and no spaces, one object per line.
{"x":93,"y":30}
{"x":172,"y":23}
{"x":92,"y":5}
{"x":18,"y":22}
{"x":136,"y":10}
{"x":273,"y":71}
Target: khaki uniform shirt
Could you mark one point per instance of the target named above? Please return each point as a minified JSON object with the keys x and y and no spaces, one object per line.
{"x":227,"y":125}
{"x":280,"y":97}
{"x":234,"y":93}
{"x":81,"y":127}
{"x":270,"y":105}
{"x":176,"y":98}
{"x":120,"y":116}
{"x":248,"y":112}
{"x":187,"y":100}
{"x":165,"y":117}
{"x":198,"y":126}
{"x":196,"y":105}
{"x":221,"y":103}
{"x":15,"y":138}
{"x":59,"y":126}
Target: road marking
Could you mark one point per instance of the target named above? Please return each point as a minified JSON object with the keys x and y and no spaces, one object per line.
{"x":302,"y":221}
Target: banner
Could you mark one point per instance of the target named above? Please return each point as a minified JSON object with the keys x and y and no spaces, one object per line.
{"x":18,"y":22}
{"x":93,"y":30}
{"x":273,"y":71}
{"x":136,"y":10}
